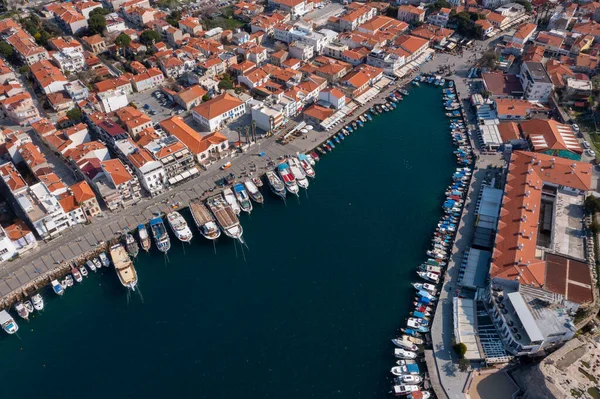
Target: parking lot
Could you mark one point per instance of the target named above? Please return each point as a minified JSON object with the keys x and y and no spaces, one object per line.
{"x":141,"y":99}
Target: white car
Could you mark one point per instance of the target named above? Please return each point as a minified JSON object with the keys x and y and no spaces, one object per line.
{"x":575,"y":127}
{"x":590,"y":153}
{"x":586,"y":145}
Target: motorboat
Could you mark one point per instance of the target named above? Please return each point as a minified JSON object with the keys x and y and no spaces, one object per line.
{"x":83,"y":270}
{"x":405,"y":344}
{"x":57,"y":287}
{"x":124,"y":266}
{"x":409,"y":378}
{"x":253,"y":191}
{"x":69,"y":280}
{"x":404,"y":354}
{"x":276,"y":184}
{"x":131,"y":245}
{"x":38,"y":302}
{"x":419,"y":395}
{"x":232,"y":201}
{"x":417,"y":321}
{"x":97,"y":263}
{"x":76,"y":274}
{"x":433,"y":277}
{"x":298,"y":172}
{"x":401,"y":390}
{"x":29,"y":306}
{"x":242,"y":197}
{"x":288,"y":178}
{"x":179,"y":226}
{"x":22,"y":310}
{"x":314,"y":156}
{"x":204,"y":220}
{"x":414,"y":340}
{"x":144,"y":237}
{"x":425,"y":286}
{"x":161,"y":237}
{"x":308,"y":170}
{"x":8,"y":323}
{"x":416,"y":325}
{"x":104,"y":259}
{"x":310,"y":159}
{"x":226,"y":217}
{"x":257,"y":182}
{"x":91,"y":265}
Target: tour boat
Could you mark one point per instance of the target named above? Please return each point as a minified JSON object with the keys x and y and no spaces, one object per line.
{"x":298,"y":172}
{"x":83,"y":270}
{"x":8,"y":323}
{"x":159,"y":232}
{"x":91,"y":265}
{"x":230,"y":198}
{"x":304,"y":162}
{"x":38,"y":302}
{"x":433,"y":277}
{"x":226,"y":217}
{"x":179,"y":226}
{"x":124,"y":266}
{"x":276,"y":184}
{"x":76,"y":274}
{"x":205,"y":221}
{"x":97,"y":263}
{"x":404,"y":354}
{"x":242,"y":197}
{"x":401,"y":390}
{"x":29,"y":306}
{"x":22,"y":310}
{"x":131,"y":245}
{"x":253,"y":191}
{"x":104,"y":259}
{"x":144,"y":237}
{"x":57,"y":287}
{"x":288,"y":178}
{"x":405,"y":344}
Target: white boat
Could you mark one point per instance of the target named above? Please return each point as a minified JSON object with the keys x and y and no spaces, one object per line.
{"x":242,"y":197}
{"x":97,"y":263}
{"x":288,"y":178}
{"x":83,"y":270}
{"x":425,"y":286}
{"x":419,"y":395}
{"x":76,"y":274}
{"x":8,"y":323}
{"x":159,"y":232}
{"x":409,"y":378}
{"x":401,"y":390}
{"x":205,"y":221}
{"x":404,"y":354}
{"x":124,"y":266}
{"x":69,"y":280}
{"x":310,"y":159}
{"x":57,"y":287}
{"x":298,"y":172}
{"x":405,"y":344}
{"x":226,"y":217}
{"x":305,"y":164}
{"x":253,"y":191}
{"x":276,"y":184}
{"x":91,"y":265}
{"x":38,"y":302}
{"x":230,"y":198}
{"x":433,"y":277}
{"x":21,"y":310}
{"x":104,"y":259}
{"x":413,"y":340}
{"x":179,"y":226}
{"x":29,"y":306}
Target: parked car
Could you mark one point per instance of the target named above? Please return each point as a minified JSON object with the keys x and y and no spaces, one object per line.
{"x":590,"y":153}
{"x":146,"y":106}
{"x":586,"y":145}
{"x":575,"y":127}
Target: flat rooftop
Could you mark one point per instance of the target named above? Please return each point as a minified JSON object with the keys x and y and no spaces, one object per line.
{"x":538,"y":72}
{"x":567,"y":232}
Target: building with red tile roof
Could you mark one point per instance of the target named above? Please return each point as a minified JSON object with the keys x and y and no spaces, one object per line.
{"x":550,"y":137}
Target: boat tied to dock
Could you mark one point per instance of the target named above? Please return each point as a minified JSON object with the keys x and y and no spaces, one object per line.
{"x":226,"y":217}
{"x":204,"y":220}
{"x":144,"y":237}
{"x":179,"y":226}
{"x":124,"y":266}
{"x":159,"y":232}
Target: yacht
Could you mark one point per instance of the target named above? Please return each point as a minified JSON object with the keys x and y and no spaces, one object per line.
{"x":230,"y":198}
{"x":57,"y":287}
{"x":298,"y":172}
{"x":8,"y":323}
{"x":163,"y":243}
{"x":144,"y":237}
{"x":91,"y":265}
{"x":22,"y":310}
{"x":306,"y":165}
{"x":123,"y":266}
{"x":205,"y":221}
{"x":253,"y":191}
{"x":242,"y":197}
{"x":288,"y":178}
{"x":38,"y":302}
{"x":276,"y":184}
{"x":426,"y":287}
{"x":404,"y":354}
{"x":132,"y":247}
{"x":226,"y":217}
{"x":104,"y":259}
{"x":179,"y":226}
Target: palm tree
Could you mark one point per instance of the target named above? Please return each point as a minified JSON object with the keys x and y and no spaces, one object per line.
{"x":253,"y":130}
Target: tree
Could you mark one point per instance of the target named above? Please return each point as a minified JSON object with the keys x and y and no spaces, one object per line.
{"x":98,"y":11}
{"x":174,"y":18}
{"x":463,"y":365}
{"x":438,"y":5}
{"x":75,"y":115}
{"x":225,"y":84}
{"x":205,"y":97}
{"x":591,"y":204}
{"x":96,"y":24}
{"x":460,"y":349}
{"x":525,"y":4}
{"x":489,"y":59}
{"x":23,"y":69}
{"x":149,"y":37}
{"x":6,"y":50}
{"x":123,"y":40}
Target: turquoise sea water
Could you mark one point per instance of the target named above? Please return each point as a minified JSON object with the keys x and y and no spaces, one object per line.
{"x":309,"y":313}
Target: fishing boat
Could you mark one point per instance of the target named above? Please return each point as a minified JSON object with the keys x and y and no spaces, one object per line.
{"x":76,"y":274}
{"x":29,"y":306}
{"x":288,"y":178}
{"x":226,"y":217}
{"x":91,"y":265}
{"x":433,"y":277}
{"x":401,"y":390}
{"x":159,"y":232}
{"x":83,"y":270}
{"x":124,"y":266}
{"x":403,"y":92}
{"x":22,"y":310}
{"x":144,"y":237}
{"x":253,"y":191}
{"x":405,"y":344}
{"x":179,"y":226}
{"x":315,"y":156}
{"x":8,"y":323}
{"x":404,"y":354}
{"x":97,"y":263}
{"x":204,"y":220}
{"x":298,"y":172}
{"x":57,"y":287}
{"x":230,"y":198}
{"x":257,"y":181}
{"x":242,"y":197}
{"x":104,"y":259}
{"x":276,"y":184}
{"x":131,"y":245}
{"x":322,"y":151}
{"x":304,"y":162}
{"x":38,"y":302}
{"x":310,"y":159}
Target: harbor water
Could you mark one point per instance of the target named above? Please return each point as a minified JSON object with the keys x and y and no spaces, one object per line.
{"x":307,"y":310}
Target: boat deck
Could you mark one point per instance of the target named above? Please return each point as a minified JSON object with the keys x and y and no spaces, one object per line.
{"x":200,"y":213}
{"x":224,"y":213}
{"x":123,"y":264}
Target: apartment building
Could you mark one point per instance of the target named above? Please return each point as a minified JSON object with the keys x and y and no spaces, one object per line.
{"x":537,"y":85}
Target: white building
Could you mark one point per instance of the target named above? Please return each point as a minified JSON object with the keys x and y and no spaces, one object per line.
{"x":43,"y":210}
{"x":302,"y":32}
{"x":69,"y":60}
{"x":536,"y":83}
{"x":268,"y":118}
{"x":113,"y":100}
{"x":7,"y":249}
{"x":77,"y":90}
{"x":213,"y":114}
